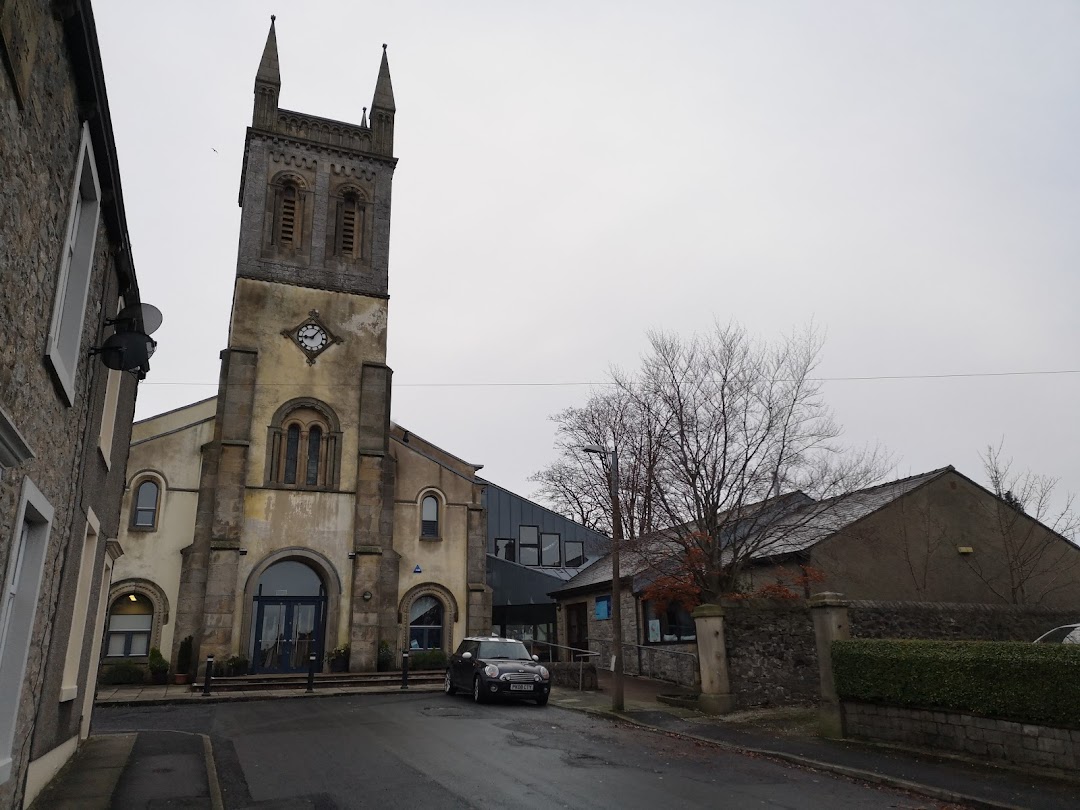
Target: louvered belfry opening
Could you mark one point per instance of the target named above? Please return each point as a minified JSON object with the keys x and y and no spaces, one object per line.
{"x":287,"y":217}
{"x":350,"y":226}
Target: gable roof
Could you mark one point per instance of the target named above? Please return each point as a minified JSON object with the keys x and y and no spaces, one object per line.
{"x":805,"y":525}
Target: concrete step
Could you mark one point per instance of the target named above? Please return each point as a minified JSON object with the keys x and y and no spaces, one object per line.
{"x":332,"y":680}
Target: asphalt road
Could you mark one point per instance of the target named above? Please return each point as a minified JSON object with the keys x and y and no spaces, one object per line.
{"x":432,"y":751}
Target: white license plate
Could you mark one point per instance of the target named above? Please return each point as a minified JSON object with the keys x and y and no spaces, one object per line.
{"x":521,"y":687}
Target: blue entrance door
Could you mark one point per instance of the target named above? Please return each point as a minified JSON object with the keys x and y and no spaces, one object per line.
{"x":290,"y":618}
{"x":287,"y":631}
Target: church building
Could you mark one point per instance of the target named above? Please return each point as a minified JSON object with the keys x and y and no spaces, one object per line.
{"x":288,"y":515}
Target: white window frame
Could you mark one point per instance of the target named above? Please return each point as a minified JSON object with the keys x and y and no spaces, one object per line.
{"x":64,"y":350}
{"x":18,"y":611}
{"x":107,"y":431}
{"x":69,"y":684}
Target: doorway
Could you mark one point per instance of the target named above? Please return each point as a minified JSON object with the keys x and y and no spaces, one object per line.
{"x":289,"y":617}
{"x":577,"y":627}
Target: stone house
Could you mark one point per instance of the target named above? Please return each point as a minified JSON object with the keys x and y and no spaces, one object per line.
{"x":288,"y":515}
{"x":930,"y":538}
{"x":66,"y":270}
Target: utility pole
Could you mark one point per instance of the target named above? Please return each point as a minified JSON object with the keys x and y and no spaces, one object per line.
{"x":616,"y":584}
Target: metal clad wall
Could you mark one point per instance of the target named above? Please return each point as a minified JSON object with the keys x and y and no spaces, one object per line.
{"x":507,"y":511}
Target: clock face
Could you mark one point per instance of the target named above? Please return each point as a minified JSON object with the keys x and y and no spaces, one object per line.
{"x":311,"y":337}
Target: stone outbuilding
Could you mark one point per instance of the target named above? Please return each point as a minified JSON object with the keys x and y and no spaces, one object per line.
{"x":937,"y":537}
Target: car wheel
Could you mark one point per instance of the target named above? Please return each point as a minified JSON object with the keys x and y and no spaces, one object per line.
{"x":448,"y":685}
{"x":542,"y":701}
{"x":478,"y":695}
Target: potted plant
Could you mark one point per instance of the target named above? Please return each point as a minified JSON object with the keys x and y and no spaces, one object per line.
{"x":338,"y":658}
{"x":183,"y":661}
{"x":385,"y":661}
{"x":158,"y":666}
{"x":236,"y":665}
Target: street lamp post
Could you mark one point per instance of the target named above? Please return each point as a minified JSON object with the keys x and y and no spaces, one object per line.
{"x":616,"y":589}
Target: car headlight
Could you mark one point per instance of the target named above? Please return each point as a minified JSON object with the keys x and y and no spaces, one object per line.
{"x":544,"y":673}
{"x":491,"y":671}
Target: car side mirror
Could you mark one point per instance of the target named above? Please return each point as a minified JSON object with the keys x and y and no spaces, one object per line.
{"x":536,"y":658}
{"x":466,"y":656}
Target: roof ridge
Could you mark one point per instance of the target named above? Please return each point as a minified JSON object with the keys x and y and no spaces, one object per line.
{"x":928,"y":474}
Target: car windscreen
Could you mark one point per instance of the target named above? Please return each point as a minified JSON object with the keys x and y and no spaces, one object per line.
{"x":509,"y":650}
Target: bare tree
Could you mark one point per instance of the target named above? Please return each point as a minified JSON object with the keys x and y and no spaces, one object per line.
{"x":576,"y":484}
{"x":1035,"y":529}
{"x":732,"y":450}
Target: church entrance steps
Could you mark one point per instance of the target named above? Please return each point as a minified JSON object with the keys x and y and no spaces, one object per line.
{"x":323,"y":680}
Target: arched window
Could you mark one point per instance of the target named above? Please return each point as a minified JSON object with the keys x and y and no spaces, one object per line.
{"x":426,"y":624}
{"x":314,"y":448}
{"x":292,"y":450}
{"x":131,"y":619}
{"x":350,"y":226}
{"x":429,"y":516}
{"x":304,"y":447}
{"x":145,"y":512}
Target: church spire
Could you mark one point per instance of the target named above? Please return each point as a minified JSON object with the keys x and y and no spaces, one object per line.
{"x":383,"y":109}
{"x":384,"y":91}
{"x":267,"y":83}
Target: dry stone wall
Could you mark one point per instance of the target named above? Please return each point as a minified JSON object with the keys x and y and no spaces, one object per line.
{"x":772,"y":655}
{"x":993,"y":740}
{"x":953,"y":621}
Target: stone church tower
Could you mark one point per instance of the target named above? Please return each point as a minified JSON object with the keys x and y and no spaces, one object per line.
{"x":318,"y":522}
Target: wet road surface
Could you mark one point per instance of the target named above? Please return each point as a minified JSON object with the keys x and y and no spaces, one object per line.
{"x":433,"y":751}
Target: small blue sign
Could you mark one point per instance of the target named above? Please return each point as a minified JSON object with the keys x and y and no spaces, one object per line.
{"x":417,"y":570}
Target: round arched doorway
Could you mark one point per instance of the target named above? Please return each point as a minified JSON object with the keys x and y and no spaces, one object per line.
{"x":288,"y":618}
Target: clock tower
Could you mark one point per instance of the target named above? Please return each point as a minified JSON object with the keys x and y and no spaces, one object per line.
{"x":293,"y":536}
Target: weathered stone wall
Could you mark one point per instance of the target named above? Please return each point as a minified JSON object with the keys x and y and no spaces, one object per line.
{"x":40,"y":134}
{"x":772,"y":658}
{"x":947,"y":621}
{"x":601,"y":632}
{"x":573,"y":676}
{"x":668,"y":662}
{"x":993,"y":740}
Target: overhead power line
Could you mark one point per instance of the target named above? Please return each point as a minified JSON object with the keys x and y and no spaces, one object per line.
{"x":867,"y":378}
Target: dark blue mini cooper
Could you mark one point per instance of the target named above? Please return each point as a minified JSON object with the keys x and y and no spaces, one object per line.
{"x":492,"y":667}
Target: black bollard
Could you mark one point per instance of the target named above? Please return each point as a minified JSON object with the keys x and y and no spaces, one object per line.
{"x":405,"y":669}
{"x":209,"y":675}
{"x":311,"y":673}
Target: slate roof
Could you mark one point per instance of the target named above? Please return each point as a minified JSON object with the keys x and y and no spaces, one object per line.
{"x":807,"y":524}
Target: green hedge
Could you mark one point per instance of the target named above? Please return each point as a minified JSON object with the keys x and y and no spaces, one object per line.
{"x":427,"y":659}
{"x":1032,"y":683}
{"x":123,"y":672}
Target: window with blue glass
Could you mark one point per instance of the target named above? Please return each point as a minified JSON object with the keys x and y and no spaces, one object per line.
{"x":603,"y":607}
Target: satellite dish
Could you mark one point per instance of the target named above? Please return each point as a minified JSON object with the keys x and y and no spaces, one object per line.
{"x":146,"y":314}
{"x":127,"y":351}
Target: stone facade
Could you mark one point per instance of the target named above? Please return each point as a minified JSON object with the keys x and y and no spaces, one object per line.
{"x":1001,"y":741}
{"x":296,"y":459}
{"x":63,"y":436}
{"x":673,"y":662}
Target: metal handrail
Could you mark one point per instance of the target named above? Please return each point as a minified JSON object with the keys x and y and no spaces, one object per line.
{"x":583,"y":654}
{"x":653,"y":648}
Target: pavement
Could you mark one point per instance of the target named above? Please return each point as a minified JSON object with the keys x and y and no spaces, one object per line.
{"x":177,"y":770}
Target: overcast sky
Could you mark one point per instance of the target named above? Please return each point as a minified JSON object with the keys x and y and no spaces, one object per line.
{"x":572,"y":174}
